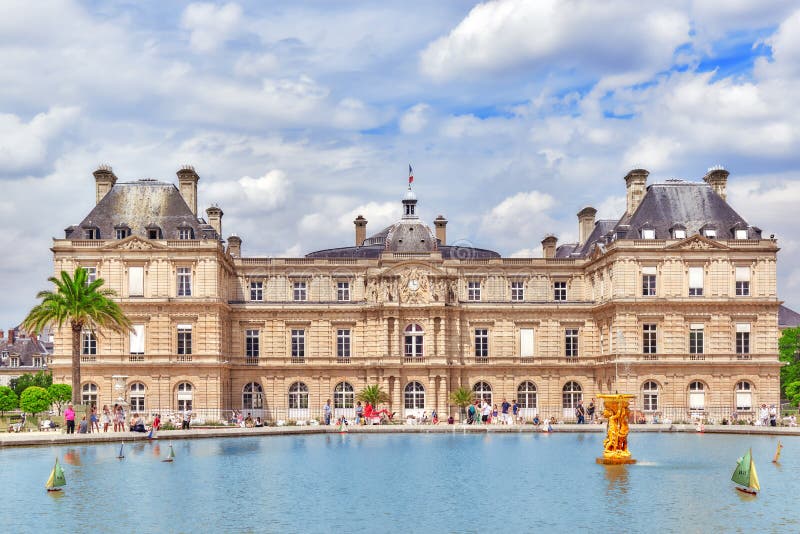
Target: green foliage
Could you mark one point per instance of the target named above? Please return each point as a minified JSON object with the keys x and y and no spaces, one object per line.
{"x":40,"y":379}
{"x":793,"y":392}
{"x":373,"y":394}
{"x":8,"y":399}
{"x":789,"y":350}
{"x":60,"y":394}
{"x":462,"y":397}
{"x":80,"y":304}
{"x":34,"y":400}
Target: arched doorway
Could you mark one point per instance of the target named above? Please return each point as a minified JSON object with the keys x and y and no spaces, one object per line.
{"x":414,"y":399}
{"x":253,"y":400}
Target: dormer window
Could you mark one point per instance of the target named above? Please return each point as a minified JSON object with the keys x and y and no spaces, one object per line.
{"x":741,"y":234}
{"x":121,"y":231}
{"x":710,"y":233}
{"x":153,"y":232}
{"x":679,"y":233}
{"x":91,"y":233}
{"x":185,"y":233}
{"x":648,"y":233}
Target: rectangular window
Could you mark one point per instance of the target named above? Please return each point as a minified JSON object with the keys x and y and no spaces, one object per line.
{"x":91,"y":274}
{"x":695,"y":281}
{"x":251,"y":343}
{"x":481,"y":343}
{"x":343,"y":291}
{"x":135,"y":281}
{"x":742,"y":281}
{"x":648,"y":281}
{"x":122,"y":233}
{"x":711,"y":234}
{"x":299,"y":291}
{"x":257,"y":290}
{"x":649,"y":339}
{"x":184,"y":281}
{"x":14,"y":362}
{"x":526,"y":342}
{"x":37,"y":361}
{"x":648,"y":233}
{"x":679,"y":234}
{"x":88,"y":343}
{"x":517,"y":291}
{"x":343,"y":343}
{"x":741,"y":234}
{"x":153,"y":233}
{"x":473,"y":291}
{"x":743,"y":338}
{"x":92,"y":233}
{"x":559,"y":291}
{"x":571,"y":342}
{"x":695,"y":339}
{"x":184,"y":339}
{"x":298,"y":344}
{"x":137,"y":339}
{"x":184,"y":233}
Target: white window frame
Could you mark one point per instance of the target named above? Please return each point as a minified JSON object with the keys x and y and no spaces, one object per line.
{"x":414,"y":341}
{"x":185,"y":396}
{"x":414,"y":396}
{"x":650,"y":338}
{"x":742,"y":339}
{"x":343,"y":343}
{"x":300,"y":291}
{"x":184,"y":281}
{"x":184,"y":339}
{"x":298,"y":343}
{"x":744,"y":396}
{"x":517,"y":291}
{"x":135,"y":281}
{"x":697,"y":396}
{"x":740,"y":234}
{"x":650,"y":396}
{"x":696,"y":338}
{"x":343,"y":291}
{"x":571,"y":342}
{"x":137,"y":339}
{"x":679,"y":233}
{"x":649,"y":281}
{"x":252,"y":343}
{"x":473,"y":290}
{"x":481,"y":339}
{"x":560,"y":291}
{"x":88,"y":343}
{"x":742,"y":281}
{"x":648,"y":233}
{"x":256,"y":290}
{"x":696,"y":279}
{"x":527,"y":340}
{"x":137,"y":394}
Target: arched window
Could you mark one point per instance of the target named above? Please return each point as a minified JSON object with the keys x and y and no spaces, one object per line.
{"x":298,"y":396}
{"x":697,"y":396}
{"x":343,"y":395}
{"x":414,"y":396}
{"x":526,"y":395}
{"x":89,"y":394}
{"x":571,"y":395}
{"x":744,"y":396}
{"x":137,"y":397}
{"x":414,"y":341}
{"x":482,"y":391}
{"x":650,"y":396}
{"x":184,"y":390}
{"x":252,"y":396}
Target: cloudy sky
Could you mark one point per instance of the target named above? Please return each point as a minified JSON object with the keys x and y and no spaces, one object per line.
{"x":299,"y":115}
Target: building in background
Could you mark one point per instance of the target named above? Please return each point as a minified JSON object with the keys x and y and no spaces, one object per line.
{"x":675,"y":301}
{"x":21,"y":353}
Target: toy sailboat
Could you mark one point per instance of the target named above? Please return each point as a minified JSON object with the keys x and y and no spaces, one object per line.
{"x":777,"y":456}
{"x":57,"y":478}
{"x":121,"y":454}
{"x":745,"y":474}
{"x":171,"y":456}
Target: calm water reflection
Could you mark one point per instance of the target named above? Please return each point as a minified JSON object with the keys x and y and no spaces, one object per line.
{"x":393,"y":483}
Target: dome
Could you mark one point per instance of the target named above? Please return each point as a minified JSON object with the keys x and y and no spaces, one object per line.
{"x":410,"y":236}
{"x":410,"y":195}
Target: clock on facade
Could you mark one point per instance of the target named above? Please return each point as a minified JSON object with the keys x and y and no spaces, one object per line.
{"x":413,"y":284}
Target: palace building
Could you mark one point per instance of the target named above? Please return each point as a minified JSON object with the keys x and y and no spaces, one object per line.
{"x":675,"y":302}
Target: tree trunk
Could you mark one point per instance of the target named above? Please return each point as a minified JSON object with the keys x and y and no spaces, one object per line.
{"x":76,"y":363}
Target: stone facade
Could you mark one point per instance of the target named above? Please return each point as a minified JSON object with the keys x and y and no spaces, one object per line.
{"x":277,"y":337}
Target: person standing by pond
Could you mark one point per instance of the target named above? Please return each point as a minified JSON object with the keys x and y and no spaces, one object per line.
{"x":580,"y":413}
{"x":590,"y":410}
{"x":326,"y":411}
{"x":106,"y":417}
{"x":93,"y":425}
{"x":69,"y":417}
{"x":359,"y":413}
{"x":504,"y":410}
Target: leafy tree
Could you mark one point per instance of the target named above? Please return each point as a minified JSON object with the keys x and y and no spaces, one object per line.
{"x":373,"y":395}
{"x":23,"y":382}
{"x":462,"y":397}
{"x":83,"y":305}
{"x":8,"y":399}
{"x":60,"y":394}
{"x":793,"y":392}
{"x":789,"y":350}
{"x":34,"y":400}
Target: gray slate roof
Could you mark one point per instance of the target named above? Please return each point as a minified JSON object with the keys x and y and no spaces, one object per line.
{"x":23,"y":348}
{"x":788,"y":318}
{"x":139,"y":205}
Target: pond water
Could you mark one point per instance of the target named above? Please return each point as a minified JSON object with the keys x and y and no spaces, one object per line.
{"x":403,"y":482}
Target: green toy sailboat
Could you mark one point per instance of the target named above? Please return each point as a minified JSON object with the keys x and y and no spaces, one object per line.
{"x":745,"y":474}
{"x":57,"y":478}
{"x":171,"y":456}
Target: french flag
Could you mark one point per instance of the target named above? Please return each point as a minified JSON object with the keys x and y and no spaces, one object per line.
{"x":410,"y":174}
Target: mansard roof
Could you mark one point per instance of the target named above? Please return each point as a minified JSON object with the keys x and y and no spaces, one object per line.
{"x":24,"y":348}
{"x":787,"y":317}
{"x":140,"y":206}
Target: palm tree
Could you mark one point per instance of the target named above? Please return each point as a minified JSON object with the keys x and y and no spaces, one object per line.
{"x":82,"y":305}
{"x":373,"y":395}
{"x":462,"y":397}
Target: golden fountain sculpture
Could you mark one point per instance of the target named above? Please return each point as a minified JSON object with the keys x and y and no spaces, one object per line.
{"x":615,"y":446}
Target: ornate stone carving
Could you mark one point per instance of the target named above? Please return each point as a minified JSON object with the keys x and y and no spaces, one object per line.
{"x":414,"y":286}
{"x":136,"y":244}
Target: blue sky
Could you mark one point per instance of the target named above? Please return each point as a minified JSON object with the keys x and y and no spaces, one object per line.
{"x":300,"y":115}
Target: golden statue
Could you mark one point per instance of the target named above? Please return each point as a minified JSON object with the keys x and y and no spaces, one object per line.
{"x":615,"y":446}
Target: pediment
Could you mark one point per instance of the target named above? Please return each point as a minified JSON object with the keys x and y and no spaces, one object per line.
{"x":400,"y":268}
{"x":134,"y":243}
{"x":697,"y":242}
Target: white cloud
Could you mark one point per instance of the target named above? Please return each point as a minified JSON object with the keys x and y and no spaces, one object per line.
{"x":415,"y":119}
{"x":24,"y":146}
{"x":210,"y":25}
{"x":502,"y":35}
{"x":247,"y":194}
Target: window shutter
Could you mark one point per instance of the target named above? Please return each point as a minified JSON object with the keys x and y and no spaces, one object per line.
{"x":744,"y":401}
{"x":696,"y":277}
{"x":696,"y":326}
{"x":649,"y":270}
{"x":743,"y":327}
{"x":137,"y":339}
{"x":743,"y":274}
{"x":697,"y":401}
{"x":136,"y":281}
{"x":526,"y":342}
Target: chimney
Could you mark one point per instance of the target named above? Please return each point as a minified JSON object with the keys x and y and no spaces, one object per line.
{"x":215,"y":219}
{"x":549,"y":246}
{"x":717,"y":178}
{"x":187,"y":184}
{"x":235,"y":246}
{"x":1,"y":334}
{"x":12,"y":336}
{"x":585,"y":223}
{"x":635,"y":183}
{"x":441,"y":229}
{"x":361,"y":230}
{"x":104,"y":180}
